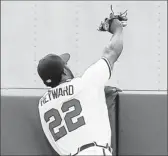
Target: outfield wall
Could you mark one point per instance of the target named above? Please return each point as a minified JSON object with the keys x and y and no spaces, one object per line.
{"x":32,"y":29}
{"x":141,"y":125}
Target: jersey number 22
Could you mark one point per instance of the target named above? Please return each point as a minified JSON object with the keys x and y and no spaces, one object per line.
{"x":71,"y":126}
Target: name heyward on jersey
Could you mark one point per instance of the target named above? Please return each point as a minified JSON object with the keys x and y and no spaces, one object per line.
{"x":56,"y":93}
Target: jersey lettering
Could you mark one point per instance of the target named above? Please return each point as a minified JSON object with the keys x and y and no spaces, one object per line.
{"x":57,"y":121}
{"x":68,"y":117}
{"x":71,"y":126}
{"x":56,"y":93}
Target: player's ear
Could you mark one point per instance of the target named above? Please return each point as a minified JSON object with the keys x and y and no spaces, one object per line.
{"x":64,"y":72}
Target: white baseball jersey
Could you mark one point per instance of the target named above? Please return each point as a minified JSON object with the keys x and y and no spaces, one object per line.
{"x":75,"y":112}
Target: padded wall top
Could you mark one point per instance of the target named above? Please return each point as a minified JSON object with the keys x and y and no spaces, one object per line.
{"x":21,"y":132}
{"x":142,"y":123}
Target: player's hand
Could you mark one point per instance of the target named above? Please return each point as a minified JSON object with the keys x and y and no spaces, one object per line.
{"x":113,"y":22}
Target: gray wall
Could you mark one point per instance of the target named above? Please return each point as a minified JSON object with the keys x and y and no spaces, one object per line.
{"x":21,"y":132}
{"x":142,"y":125}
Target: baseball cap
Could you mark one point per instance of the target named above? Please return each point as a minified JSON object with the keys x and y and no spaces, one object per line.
{"x":51,"y":67}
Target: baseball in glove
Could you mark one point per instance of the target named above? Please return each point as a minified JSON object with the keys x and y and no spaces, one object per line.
{"x":105,"y":26}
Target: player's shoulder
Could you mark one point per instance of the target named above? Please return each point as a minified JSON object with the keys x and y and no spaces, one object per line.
{"x":76,"y":84}
{"x":75,"y":80}
{"x":99,"y":64}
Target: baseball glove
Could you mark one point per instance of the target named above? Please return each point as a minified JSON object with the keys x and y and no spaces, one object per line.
{"x":105,"y":26}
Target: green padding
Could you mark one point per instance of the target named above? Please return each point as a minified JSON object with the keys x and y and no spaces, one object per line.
{"x":21,"y":131}
{"x":142,"y":124}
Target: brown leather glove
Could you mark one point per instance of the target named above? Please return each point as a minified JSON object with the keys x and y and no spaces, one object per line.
{"x":106,"y":25}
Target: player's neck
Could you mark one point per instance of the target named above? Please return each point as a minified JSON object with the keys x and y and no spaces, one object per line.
{"x":65,"y":79}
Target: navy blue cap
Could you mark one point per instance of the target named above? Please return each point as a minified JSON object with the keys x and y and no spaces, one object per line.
{"x":51,"y":67}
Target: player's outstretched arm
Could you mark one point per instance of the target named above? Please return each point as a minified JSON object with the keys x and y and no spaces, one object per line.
{"x":114,"y":24}
{"x":113,"y":50}
{"x":102,"y":68}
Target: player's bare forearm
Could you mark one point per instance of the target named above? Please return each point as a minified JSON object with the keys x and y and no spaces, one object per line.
{"x":113,"y":50}
{"x":114,"y":25}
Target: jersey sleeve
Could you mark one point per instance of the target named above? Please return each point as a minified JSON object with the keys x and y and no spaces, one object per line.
{"x":98,"y":73}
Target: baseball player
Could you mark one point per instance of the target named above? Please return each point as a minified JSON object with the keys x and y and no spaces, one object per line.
{"x":73,"y":111}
